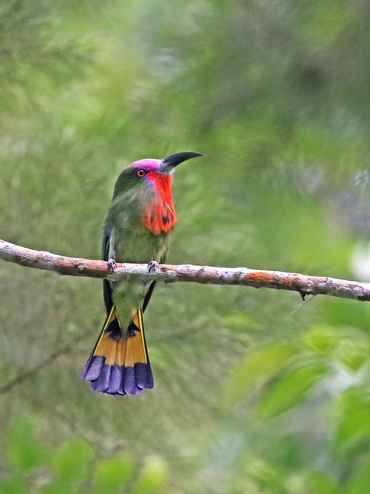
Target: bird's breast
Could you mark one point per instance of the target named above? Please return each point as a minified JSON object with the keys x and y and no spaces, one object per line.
{"x":135,"y":237}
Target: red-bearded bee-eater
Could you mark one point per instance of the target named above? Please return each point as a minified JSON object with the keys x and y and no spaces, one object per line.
{"x":137,"y":227}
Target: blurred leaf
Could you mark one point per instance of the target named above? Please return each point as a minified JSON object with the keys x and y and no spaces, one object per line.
{"x":327,"y":21}
{"x":238,"y":320}
{"x":153,"y":476}
{"x":71,"y":460}
{"x":23,"y":450}
{"x":320,"y":482}
{"x":353,"y":354}
{"x":287,"y":391}
{"x":112,"y":473}
{"x":358,"y":482}
{"x":341,"y":313}
{"x":322,"y":339}
{"x":257,"y":367}
{"x":353,"y":430}
{"x":13,"y":486}
{"x":268,"y":478}
{"x":59,"y":486}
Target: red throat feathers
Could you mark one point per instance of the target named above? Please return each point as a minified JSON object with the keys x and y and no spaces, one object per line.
{"x":160,"y":215}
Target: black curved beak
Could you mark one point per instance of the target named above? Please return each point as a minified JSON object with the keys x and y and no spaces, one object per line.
{"x":169,"y":163}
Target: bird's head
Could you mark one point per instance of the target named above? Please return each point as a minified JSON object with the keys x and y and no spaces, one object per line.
{"x":153,"y":178}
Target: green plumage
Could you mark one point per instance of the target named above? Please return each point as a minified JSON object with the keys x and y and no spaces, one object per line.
{"x":136,"y":230}
{"x":127,"y":239}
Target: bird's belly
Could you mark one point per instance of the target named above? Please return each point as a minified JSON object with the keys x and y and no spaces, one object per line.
{"x":128,"y":297}
{"x":139,"y":247}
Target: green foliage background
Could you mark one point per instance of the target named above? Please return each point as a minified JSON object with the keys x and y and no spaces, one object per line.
{"x":251,"y":395}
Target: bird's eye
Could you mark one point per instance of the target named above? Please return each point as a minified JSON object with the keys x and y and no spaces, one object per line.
{"x":140,"y":173}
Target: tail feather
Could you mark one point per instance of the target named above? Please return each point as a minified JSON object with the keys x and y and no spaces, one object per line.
{"x":119,"y":362}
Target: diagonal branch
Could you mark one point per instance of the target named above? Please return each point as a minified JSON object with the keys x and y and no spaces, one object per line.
{"x":50,"y":359}
{"x":305,"y":285}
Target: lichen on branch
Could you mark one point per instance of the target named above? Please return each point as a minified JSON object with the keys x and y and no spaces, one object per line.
{"x":71,"y":266}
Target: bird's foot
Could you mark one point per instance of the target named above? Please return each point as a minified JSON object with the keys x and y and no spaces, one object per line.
{"x":152,"y":265}
{"x":111,"y":265}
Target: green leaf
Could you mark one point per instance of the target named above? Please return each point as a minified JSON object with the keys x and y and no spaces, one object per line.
{"x":358,"y":482}
{"x":257,"y":367}
{"x":59,"y":486}
{"x":153,"y":476}
{"x":24,"y":452}
{"x":112,"y":473}
{"x":238,"y":320}
{"x":13,"y":486}
{"x":318,"y":482}
{"x":353,"y":430}
{"x":268,"y":478}
{"x":353,"y":354}
{"x":321,"y":339}
{"x":290,"y":389}
{"x":70,"y":461}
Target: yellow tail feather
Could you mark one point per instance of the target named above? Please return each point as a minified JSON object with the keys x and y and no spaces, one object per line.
{"x":119,"y":363}
{"x":127,"y":349}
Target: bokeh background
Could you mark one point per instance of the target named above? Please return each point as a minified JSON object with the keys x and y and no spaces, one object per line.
{"x":254,"y":393}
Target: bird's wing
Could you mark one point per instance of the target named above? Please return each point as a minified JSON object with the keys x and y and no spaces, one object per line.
{"x":106,"y":251}
{"x":148,"y":294}
{"x":105,"y":244}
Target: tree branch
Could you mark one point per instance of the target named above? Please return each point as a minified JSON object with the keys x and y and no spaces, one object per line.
{"x":50,"y":359}
{"x":305,"y":285}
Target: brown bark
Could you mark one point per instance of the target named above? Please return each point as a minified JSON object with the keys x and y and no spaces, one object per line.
{"x":304,"y":284}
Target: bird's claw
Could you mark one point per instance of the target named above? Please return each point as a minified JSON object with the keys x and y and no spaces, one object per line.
{"x":111,"y":265}
{"x":152,"y":265}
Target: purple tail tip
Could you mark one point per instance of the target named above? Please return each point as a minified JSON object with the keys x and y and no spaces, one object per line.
{"x":117,"y":379}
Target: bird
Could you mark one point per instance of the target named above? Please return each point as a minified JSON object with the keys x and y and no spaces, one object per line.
{"x":136,"y":229}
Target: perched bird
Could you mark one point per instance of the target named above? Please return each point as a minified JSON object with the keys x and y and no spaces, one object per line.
{"x":137,"y":227}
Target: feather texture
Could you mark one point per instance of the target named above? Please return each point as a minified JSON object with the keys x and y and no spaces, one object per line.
{"x":160,"y":215}
{"x":119,"y":362}
{"x":136,"y":229}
